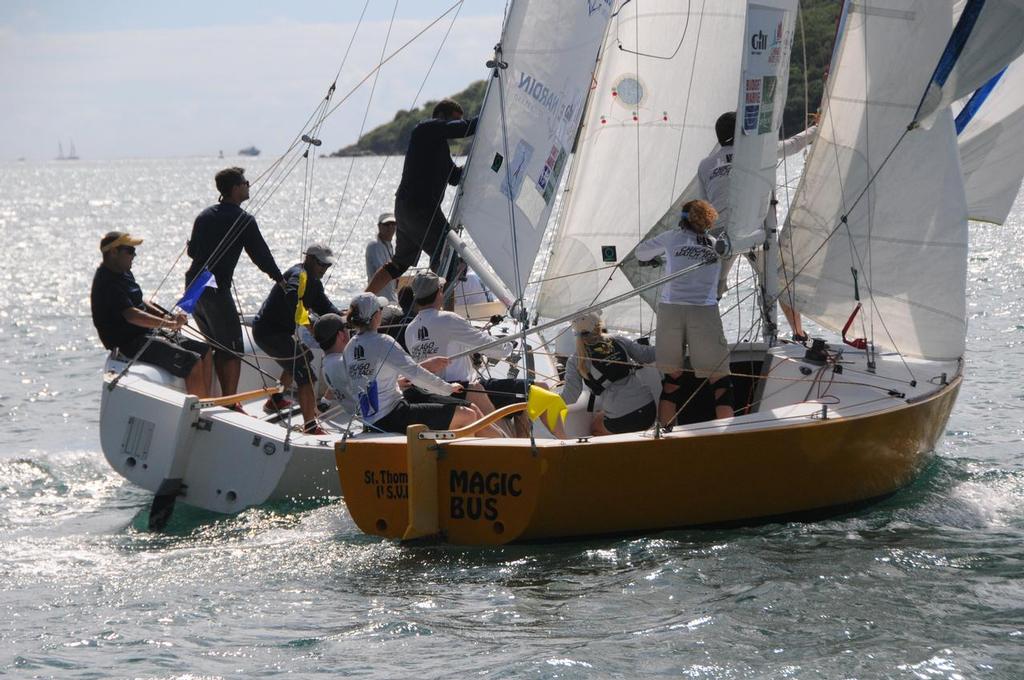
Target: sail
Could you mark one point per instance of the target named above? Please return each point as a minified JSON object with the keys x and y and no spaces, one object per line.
{"x":529,"y":119}
{"x":991,"y":140}
{"x":668,"y":70}
{"x":881,"y":210}
{"x":762,"y":99}
{"x":989,"y":34}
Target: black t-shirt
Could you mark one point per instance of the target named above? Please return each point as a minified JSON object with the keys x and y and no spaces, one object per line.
{"x":218,"y":236}
{"x":277,"y":315}
{"x":428,"y":165}
{"x":111,"y":294}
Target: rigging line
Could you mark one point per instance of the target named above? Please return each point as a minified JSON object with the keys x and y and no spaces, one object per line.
{"x":391,"y":56}
{"x":670,"y":57}
{"x":686,"y":107}
{"x":362,"y":124}
{"x":376,"y":181}
{"x":351,"y":41}
{"x":636,"y":118}
{"x":152,"y":296}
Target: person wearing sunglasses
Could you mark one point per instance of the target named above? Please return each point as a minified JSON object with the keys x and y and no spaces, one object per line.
{"x":219,"y":235}
{"x":126,"y":323}
{"x":275,"y":326}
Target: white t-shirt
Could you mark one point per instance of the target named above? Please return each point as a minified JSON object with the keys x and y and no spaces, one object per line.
{"x":682,"y":248}
{"x":437,"y":333}
{"x":378,"y":254}
{"x":336,"y":375}
{"x":375,"y":361}
{"x":471,"y":291}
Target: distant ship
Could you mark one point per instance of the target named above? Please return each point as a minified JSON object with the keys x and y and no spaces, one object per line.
{"x":251,"y":151}
{"x":72,"y":156}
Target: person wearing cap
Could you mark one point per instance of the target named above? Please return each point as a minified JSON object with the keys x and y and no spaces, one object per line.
{"x":127,"y":323}
{"x":608,"y":364}
{"x":219,"y":234}
{"x":375,"y":363}
{"x":331,"y":333}
{"x":274,"y":329}
{"x":428,"y":170}
{"x":434,"y":332}
{"x":713,"y":173}
{"x":688,"y":311}
{"x":379,"y":252}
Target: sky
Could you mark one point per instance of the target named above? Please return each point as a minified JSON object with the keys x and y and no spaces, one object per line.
{"x":124,"y":79}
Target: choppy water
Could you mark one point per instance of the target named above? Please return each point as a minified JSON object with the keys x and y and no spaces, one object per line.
{"x":926,"y":585}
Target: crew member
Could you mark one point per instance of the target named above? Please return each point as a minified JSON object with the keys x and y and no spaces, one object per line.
{"x":608,"y":365}
{"x":375,"y":361}
{"x":331,"y":333}
{"x":428,"y":170}
{"x":379,"y":252}
{"x":127,"y":323}
{"x":688,"y":310}
{"x":275,"y":325}
{"x":219,"y":235}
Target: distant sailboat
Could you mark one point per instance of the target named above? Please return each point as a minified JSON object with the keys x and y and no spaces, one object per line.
{"x":72,"y":156}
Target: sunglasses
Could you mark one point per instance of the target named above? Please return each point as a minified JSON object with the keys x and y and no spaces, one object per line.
{"x":127,"y":249}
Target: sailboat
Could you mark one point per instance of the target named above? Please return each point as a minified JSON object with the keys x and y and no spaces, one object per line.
{"x":72,"y":156}
{"x":875,"y":240}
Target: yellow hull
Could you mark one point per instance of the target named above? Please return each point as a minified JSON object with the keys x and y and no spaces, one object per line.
{"x":473,"y":494}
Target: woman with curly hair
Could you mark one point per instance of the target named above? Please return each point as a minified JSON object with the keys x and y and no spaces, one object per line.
{"x":688,"y":311}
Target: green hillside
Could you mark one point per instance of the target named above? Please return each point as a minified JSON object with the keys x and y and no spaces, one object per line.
{"x":819,"y":21}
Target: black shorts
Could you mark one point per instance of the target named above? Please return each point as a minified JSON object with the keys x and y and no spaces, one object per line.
{"x":637,"y":420}
{"x":434,"y":416}
{"x":290,"y":354}
{"x":505,"y":391}
{"x":217,"y":318}
{"x":420,"y":228}
{"x":415,"y":395}
{"x":171,"y":352}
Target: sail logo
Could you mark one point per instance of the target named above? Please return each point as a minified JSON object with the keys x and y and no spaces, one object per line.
{"x":359,"y":353}
{"x":539,"y":92}
{"x":597,"y":6}
{"x":422,"y":333}
{"x":759,"y":42}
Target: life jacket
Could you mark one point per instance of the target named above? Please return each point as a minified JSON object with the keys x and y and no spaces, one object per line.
{"x":608,"y":358}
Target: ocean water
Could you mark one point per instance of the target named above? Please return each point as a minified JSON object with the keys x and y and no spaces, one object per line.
{"x":925,"y":585}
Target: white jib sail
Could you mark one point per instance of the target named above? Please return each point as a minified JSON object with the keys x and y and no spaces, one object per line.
{"x":992,"y":148}
{"x":526,"y":129}
{"x":667,"y":72}
{"x":989,"y":34}
{"x":906,"y":224}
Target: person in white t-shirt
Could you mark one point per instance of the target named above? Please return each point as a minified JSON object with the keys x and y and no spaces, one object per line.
{"x":376,"y":361}
{"x":713,"y":173}
{"x":379,"y":252}
{"x":331,"y":333}
{"x":688,"y":310}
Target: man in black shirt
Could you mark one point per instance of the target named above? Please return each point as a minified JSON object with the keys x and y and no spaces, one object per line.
{"x":274,"y":329}
{"x":127,"y":323}
{"x":428,"y":170}
{"x":219,"y":235}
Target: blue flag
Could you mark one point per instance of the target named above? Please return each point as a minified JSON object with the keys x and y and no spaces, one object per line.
{"x":188,"y":301}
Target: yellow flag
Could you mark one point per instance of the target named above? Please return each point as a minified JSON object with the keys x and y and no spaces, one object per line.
{"x":541,"y":401}
{"x":301,"y":315}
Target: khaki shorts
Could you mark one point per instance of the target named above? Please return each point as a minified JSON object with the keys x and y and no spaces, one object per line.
{"x":694,"y":327}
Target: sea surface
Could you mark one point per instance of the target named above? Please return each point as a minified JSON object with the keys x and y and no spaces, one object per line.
{"x":927,"y":584}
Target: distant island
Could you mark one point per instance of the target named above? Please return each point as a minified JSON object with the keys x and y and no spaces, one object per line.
{"x":819,"y":23}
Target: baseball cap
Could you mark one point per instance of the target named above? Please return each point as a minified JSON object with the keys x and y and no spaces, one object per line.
{"x":386,"y":217}
{"x":426,"y":283}
{"x":365,"y":305}
{"x":321,"y":252}
{"x":116,"y":239}
{"x":326,"y":329}
{"x":588,"y":323}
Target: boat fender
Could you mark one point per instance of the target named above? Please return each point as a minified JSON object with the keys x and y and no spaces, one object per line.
{"x":724,"y":384}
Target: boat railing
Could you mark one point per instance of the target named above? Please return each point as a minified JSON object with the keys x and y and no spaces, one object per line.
{"x":240,"y":397}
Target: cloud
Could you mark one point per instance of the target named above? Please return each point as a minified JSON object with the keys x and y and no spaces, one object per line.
{"x":155,"y":93}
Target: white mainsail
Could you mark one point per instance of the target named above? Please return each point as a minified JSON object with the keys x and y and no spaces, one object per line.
{"x":992,"y":146}
{"x":762,"y":100}
{"x":668,"y":70}
{"x":988,"y":35}
{"x":529,"y":119}
{"x":892,"y":210}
